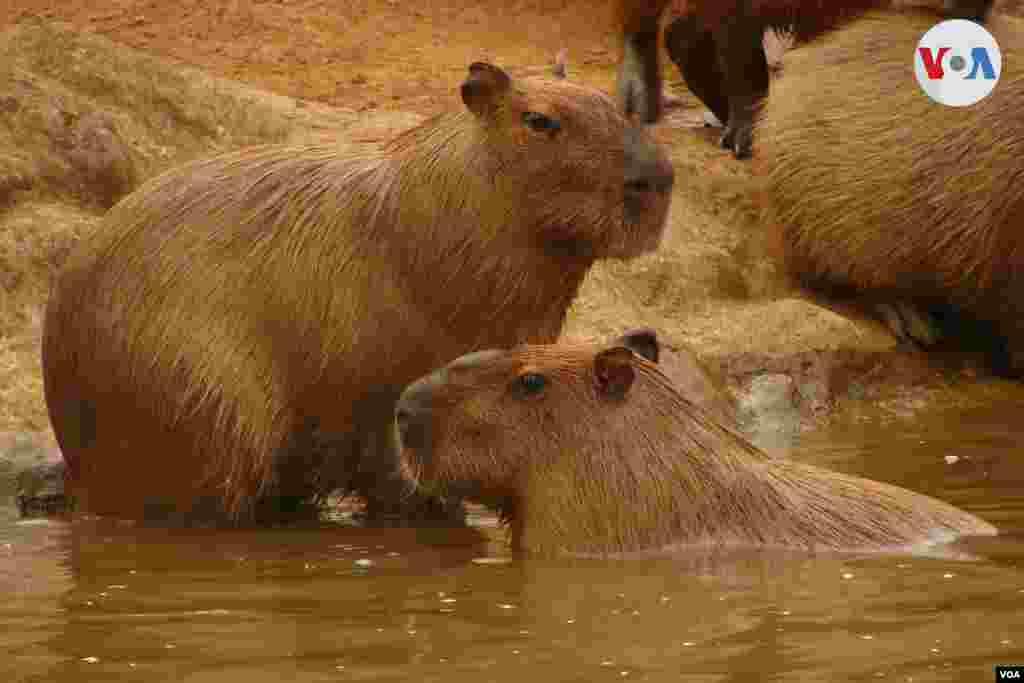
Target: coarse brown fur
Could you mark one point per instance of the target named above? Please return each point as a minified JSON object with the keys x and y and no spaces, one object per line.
{"x":882,"y":194}
{"x":717,"y":46}
{"x":232,"y":339}
{"x":608,"y":457}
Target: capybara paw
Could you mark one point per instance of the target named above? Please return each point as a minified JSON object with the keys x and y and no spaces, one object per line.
{"x":414,"y":511}
{"x":909,"y":324}
{"x":743,"y":143}
{"x":40,"y":490}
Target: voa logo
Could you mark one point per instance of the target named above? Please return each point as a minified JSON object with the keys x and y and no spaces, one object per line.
{"x":957,"y":63}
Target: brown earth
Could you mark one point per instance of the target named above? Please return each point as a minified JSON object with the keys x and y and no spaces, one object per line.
{"x":84,"y":120}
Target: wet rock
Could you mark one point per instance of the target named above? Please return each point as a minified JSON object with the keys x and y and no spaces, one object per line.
{"x":769,"y":412}
{"x":824,"y":380}
{"x":40,"y":490}
{"x":32,"y":471}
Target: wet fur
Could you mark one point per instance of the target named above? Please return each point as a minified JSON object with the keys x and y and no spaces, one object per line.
{"x":575,"y":471}
{"x":231,"y":340}
{"x":878,"y":193}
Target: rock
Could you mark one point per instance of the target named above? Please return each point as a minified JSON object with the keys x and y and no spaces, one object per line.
{"x":32,"y":469}
{"x":769,"y":413}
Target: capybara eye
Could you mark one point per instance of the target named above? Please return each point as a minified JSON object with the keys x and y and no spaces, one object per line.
{"x":531,"y":383}
{"x":541,"y":123}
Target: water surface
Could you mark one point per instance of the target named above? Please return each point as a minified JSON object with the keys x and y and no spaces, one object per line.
{"x":96,"y":600}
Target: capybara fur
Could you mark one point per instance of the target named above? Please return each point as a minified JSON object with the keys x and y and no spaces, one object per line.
{"x":879,"y":194}
{"x":591,"y":450}
{"x":230,"y":342}
{"x":718,"y":48}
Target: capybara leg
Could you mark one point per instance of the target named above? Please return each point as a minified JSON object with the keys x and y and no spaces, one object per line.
{"x":391,"y":498}
{"x":692,"y":49}
{"x":972,"y":10}
{"x":943,"y":326}
{"x":744,"y":65}
{"x":909,"y":323}
{"x":639,"y":79}
{"x":286,"y":508}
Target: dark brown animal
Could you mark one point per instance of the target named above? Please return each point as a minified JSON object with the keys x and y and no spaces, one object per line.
{"x":231,"y":341}
{"x":590,"y":449}
{"x":718,"y":47}
{"x":881,"y":195}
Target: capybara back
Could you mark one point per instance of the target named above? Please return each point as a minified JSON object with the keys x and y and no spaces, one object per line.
{"x":879,"y":192}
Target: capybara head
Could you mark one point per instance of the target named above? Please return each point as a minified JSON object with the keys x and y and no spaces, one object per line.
{"x":558,"y":148}
{"x":477,"y":423}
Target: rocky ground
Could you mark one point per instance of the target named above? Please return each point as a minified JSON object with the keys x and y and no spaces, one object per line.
{"x":95,"y":97}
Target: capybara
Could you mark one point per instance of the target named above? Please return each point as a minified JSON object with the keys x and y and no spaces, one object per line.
{"x":230,"y":342}
{"x":590,"y":449}
{"x":718,"y":47}
{"x":880,"y":194}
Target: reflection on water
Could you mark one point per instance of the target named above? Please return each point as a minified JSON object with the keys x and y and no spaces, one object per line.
{"x":101,"y":601}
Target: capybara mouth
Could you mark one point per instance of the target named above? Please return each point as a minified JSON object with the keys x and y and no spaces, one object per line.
{"x":648,"y":212}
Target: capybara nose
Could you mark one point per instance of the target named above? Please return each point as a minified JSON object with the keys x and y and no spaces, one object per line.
{"x":647,"y":169}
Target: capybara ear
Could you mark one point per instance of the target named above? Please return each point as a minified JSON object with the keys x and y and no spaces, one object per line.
{"x":484,"y":87}
{"x":613,"y":371}
{"x":558,"y":69}
{"x":643,"y":341}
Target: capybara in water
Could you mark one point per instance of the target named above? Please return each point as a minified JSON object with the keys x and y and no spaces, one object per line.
{"x":880,"y":194}
{"x":231,"y":340}
{"x":590,"y":449}
{"x":718,"y":47}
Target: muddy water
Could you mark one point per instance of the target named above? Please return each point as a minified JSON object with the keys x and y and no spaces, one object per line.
{"x":98,"y":601}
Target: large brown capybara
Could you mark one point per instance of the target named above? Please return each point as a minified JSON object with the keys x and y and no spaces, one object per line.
{"x":880,"y":195}
{"x":718,"y":47}
{"x":590,"y":449}
{"x":231,"y":341}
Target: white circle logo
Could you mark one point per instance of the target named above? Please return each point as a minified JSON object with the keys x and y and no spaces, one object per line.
{"x":957,"y":63}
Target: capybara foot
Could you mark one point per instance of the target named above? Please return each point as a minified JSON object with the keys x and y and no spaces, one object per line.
{"x":285,"y":509}
{"x":414,"y":510}
{"x":739,"y":140}
{"x":909,"y":324}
